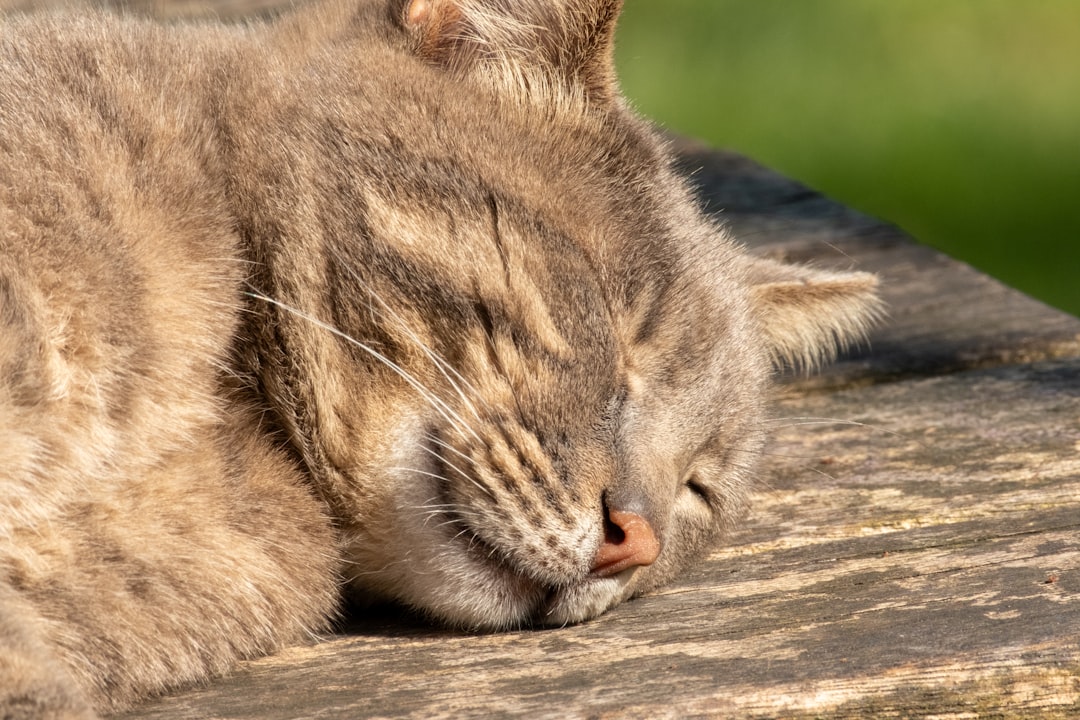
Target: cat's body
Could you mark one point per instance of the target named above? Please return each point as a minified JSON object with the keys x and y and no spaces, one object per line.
{"x":390,"y":296}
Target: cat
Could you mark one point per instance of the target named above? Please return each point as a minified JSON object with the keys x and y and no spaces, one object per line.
{"x":389,"y":299}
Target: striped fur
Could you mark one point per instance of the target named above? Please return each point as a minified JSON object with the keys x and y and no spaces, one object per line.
{"x":389,"y":299}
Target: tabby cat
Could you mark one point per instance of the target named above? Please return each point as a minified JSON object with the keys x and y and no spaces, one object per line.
{"x":388,"y":299}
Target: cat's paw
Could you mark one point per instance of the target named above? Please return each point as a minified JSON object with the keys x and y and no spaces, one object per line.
{"x":53,"y":704}
{"x":33,"y":686}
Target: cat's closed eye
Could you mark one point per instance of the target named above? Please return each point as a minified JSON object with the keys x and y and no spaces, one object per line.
{"x":695,"y":487}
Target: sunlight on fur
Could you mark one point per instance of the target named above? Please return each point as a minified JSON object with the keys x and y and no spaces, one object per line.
{"x":379,"y":301}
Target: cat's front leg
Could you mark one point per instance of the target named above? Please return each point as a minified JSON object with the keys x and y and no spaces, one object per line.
{"x":33,"y":684}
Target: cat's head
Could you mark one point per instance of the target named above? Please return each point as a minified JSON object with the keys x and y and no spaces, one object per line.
{"x":539,"y":377}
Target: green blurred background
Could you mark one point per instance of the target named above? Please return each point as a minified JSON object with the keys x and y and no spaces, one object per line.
{"x":958,"y":120}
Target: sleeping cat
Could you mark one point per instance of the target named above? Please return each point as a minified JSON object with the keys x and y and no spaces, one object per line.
{"x":393,"y":299}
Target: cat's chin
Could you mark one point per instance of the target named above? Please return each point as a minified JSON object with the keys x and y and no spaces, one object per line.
{"x":581,"y":602}
{"x":456,"y":586}
{"x":455,"y":581}
{"x":497,"y":605}
{"x":436,"y":555}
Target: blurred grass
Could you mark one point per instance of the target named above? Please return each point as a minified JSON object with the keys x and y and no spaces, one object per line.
{"x":958,"y":120}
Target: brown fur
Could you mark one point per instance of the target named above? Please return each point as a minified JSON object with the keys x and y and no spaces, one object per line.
{"x":391,"y":296}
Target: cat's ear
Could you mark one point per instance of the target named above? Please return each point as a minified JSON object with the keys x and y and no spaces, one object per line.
{"x":570,"y":42}
{"x":809,"y":315}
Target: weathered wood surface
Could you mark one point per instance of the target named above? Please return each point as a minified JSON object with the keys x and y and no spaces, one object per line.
{"x":927,"y":564}
{"x":914,"y":549}
{"x":945,"y":316}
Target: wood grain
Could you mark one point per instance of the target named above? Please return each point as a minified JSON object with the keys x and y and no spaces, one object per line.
{"x":944,"y":315}
{"x":924,"y":562}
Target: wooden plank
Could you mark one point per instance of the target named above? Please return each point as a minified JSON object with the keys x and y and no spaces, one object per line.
{"x":926,"y":561}
{"x":944,"y":315}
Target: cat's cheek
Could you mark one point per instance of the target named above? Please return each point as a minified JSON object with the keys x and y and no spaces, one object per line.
{"x":408,"y":551}
{"x":423,"y":567}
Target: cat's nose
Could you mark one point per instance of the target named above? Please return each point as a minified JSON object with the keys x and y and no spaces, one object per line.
{"x":629,"y":541}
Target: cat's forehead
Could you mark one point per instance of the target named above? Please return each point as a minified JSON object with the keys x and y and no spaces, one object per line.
{"x":566,"y":217}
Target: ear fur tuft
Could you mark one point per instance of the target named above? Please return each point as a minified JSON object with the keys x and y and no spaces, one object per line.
{"x":809,"y":315}
{"x":567,"y":44}
{"x":417,"y":13}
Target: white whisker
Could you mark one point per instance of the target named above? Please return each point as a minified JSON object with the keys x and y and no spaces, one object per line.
{"x":440,"y":363}
{"x":433,"y":439}
{"x":461,"y":472}
{"x":448,"y":413}
{"x":425,"y":473}
{"x":789,"y":422}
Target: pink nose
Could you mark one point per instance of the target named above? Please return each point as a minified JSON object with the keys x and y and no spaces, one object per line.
{"x":629,"y":541}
